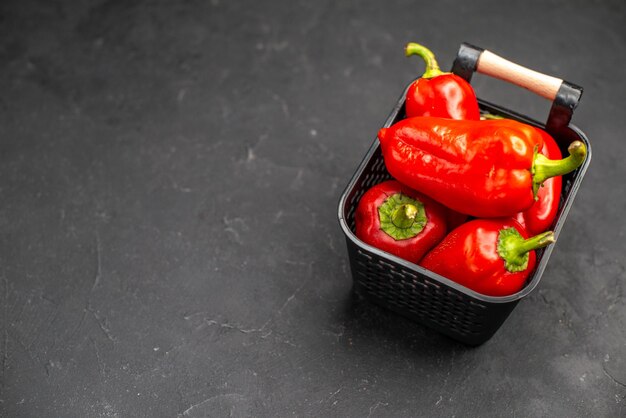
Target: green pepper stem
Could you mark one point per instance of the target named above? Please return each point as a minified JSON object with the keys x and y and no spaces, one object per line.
{"x":514,"y":249}
{"x":432,"y":68}
{"x":490,"y":116}
{"x":544,"y":168}
{"x":404,"y":215}
{"x":534,"y":243}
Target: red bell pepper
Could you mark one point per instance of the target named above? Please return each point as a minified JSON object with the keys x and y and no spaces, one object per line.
{"x":438,"y":93}
{"x":454,"y":218}
{"x":485,"y":169}
{"x":490,"y":256}
{"x":541,"y":214}
{"x":396,"y":219}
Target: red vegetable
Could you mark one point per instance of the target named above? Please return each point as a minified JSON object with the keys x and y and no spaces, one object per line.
{"x":490,"y":256}
{"x":454,"y":218}
{"x":541,"y":214}
{"x":482,"y":168}
{"x":396,"y":219}
{"x":437,"y":93}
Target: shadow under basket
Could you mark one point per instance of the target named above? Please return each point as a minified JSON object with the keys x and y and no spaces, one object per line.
{"x":426,"y":297}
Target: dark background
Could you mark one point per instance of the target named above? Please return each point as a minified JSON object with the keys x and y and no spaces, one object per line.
{"x":169,"y":180}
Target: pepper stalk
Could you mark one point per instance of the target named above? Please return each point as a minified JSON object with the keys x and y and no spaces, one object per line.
{"x":432,"y":67}
{"x":402,"y":217}
{"x":514,"y":249}
{"x":544,"y":168}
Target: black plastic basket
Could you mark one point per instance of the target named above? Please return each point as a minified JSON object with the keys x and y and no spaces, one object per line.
{"x":424,"y":296}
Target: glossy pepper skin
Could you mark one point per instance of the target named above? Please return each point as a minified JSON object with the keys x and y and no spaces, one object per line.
{"x":493,"y":257}
{"x":484,"y":168}
{"x":539,"y":217}
{"x":396,"y":219}
{"x":438,"y":93}
{"x":454,"y":218}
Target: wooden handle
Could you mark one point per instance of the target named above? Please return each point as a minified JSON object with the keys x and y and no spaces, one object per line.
{"x":495,"y":66}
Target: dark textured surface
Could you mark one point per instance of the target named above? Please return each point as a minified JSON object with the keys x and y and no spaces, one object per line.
{"x":169,"y":177}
